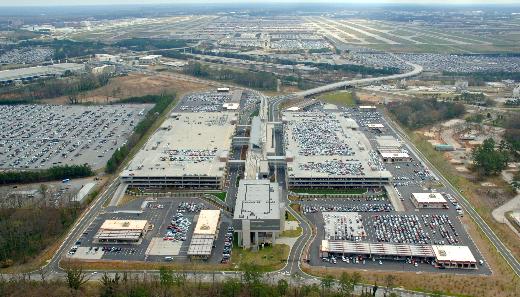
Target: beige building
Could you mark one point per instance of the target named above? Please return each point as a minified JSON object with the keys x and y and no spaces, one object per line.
{"x":121,"y":231}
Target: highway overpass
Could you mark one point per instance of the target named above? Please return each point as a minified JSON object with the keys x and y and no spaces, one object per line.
{"x":357,"y":82}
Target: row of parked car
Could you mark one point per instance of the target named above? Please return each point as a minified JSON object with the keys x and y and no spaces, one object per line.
{"x":228,"y":245}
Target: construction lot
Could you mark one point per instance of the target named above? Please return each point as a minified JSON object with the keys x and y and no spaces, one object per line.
{"x":158,"y":244}
{"x":42,"y":136}
{"x":360,"y":227}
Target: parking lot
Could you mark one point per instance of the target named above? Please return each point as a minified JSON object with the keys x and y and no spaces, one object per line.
{"x":384,"y":225}
{"x":159,"y":244}
{"x":42,"y":136}
{"x":210,"y":101}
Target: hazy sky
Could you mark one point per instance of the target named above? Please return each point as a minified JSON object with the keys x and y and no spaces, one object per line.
{"x":106,"y":2}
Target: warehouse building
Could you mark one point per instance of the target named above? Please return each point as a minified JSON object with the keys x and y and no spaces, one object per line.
{"x":429,"y":200}
{"x":33,"y":73}
{"x":189,"y":150}
{"x":326,"y":150}
{"x":121,"y":231}
{"x":204,"y":235}
{"x":258,"y":217}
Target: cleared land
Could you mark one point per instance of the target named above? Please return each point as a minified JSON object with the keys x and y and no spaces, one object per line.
{"x":135,"y":85}
{"x":342,"y":98}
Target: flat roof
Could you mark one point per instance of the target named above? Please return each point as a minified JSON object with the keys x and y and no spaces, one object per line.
{"x":186,"y":144}
{"x":200,"y":245}
{"x":327,"y":144}
{"x":124,"y":225}
{"x":55,"y":69}
{"x":207,"y":222}
{"x":387,"y":141}
{"x":257,"y":199}
{"x":230,"y":106}
{"x":428,"y":197}
{"x":383,"y":249}
{"x":394,"y":155}
{"x":453,"y":253}
{"x":375,"y":125}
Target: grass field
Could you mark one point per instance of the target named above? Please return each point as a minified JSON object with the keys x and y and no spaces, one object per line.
{"x":342,"y":98}
{"x":220,"y":195}
{"x":268,"y":259}
{"x":292,"y":233}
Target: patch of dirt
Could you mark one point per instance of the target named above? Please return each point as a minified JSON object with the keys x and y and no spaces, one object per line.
{"x":134,"y":85}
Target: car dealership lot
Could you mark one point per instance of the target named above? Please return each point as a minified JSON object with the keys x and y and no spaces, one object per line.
{"x":42,"y":136}
{"x":382,"y":225}
{"x":158,"y":244}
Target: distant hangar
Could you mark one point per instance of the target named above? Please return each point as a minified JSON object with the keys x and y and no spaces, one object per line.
{"x":12,"y":76}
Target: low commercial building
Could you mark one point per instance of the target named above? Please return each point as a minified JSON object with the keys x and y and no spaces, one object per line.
{"x":106,"y":58}
{"x":395,"y":156}
{"x":327,"y":150}
{"x":33,"y":73}
{"x":190,"y":150}
{"x":103,"y":70}
{"x":429,"y":200}
{"x":379,"y":250}
{"x":205,"y":233}
{"x":258,"y":216}
{"x":150,"y":60}
{"x":121,"y":231}
{"x":451,"y":256}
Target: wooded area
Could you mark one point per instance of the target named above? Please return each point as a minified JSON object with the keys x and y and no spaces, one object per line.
{"x":50,"y":174}
{"x":258,"y":80}
{"x":419,"y":113}
{"x":489,"y":159}
{"x":26,"y":232}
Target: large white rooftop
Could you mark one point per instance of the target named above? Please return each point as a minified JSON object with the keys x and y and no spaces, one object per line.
{"x":428,"y":197}
{"x":453,"y":253}
{"x":186,"y":144}
{"x":257,"y":199}
{"x":329,"y":145}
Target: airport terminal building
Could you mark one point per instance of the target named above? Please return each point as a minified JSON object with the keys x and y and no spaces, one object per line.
{"x":190,"y":150}
{"x":259,"y":213}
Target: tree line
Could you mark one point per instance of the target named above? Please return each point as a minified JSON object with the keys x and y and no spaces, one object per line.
{"x":50,"y":88}
{"x":419,"y":113}
{"x":161,"y":104}
{"x":168,"y":283}
{"x":44,"y":175}
{"x":258,"y":80}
